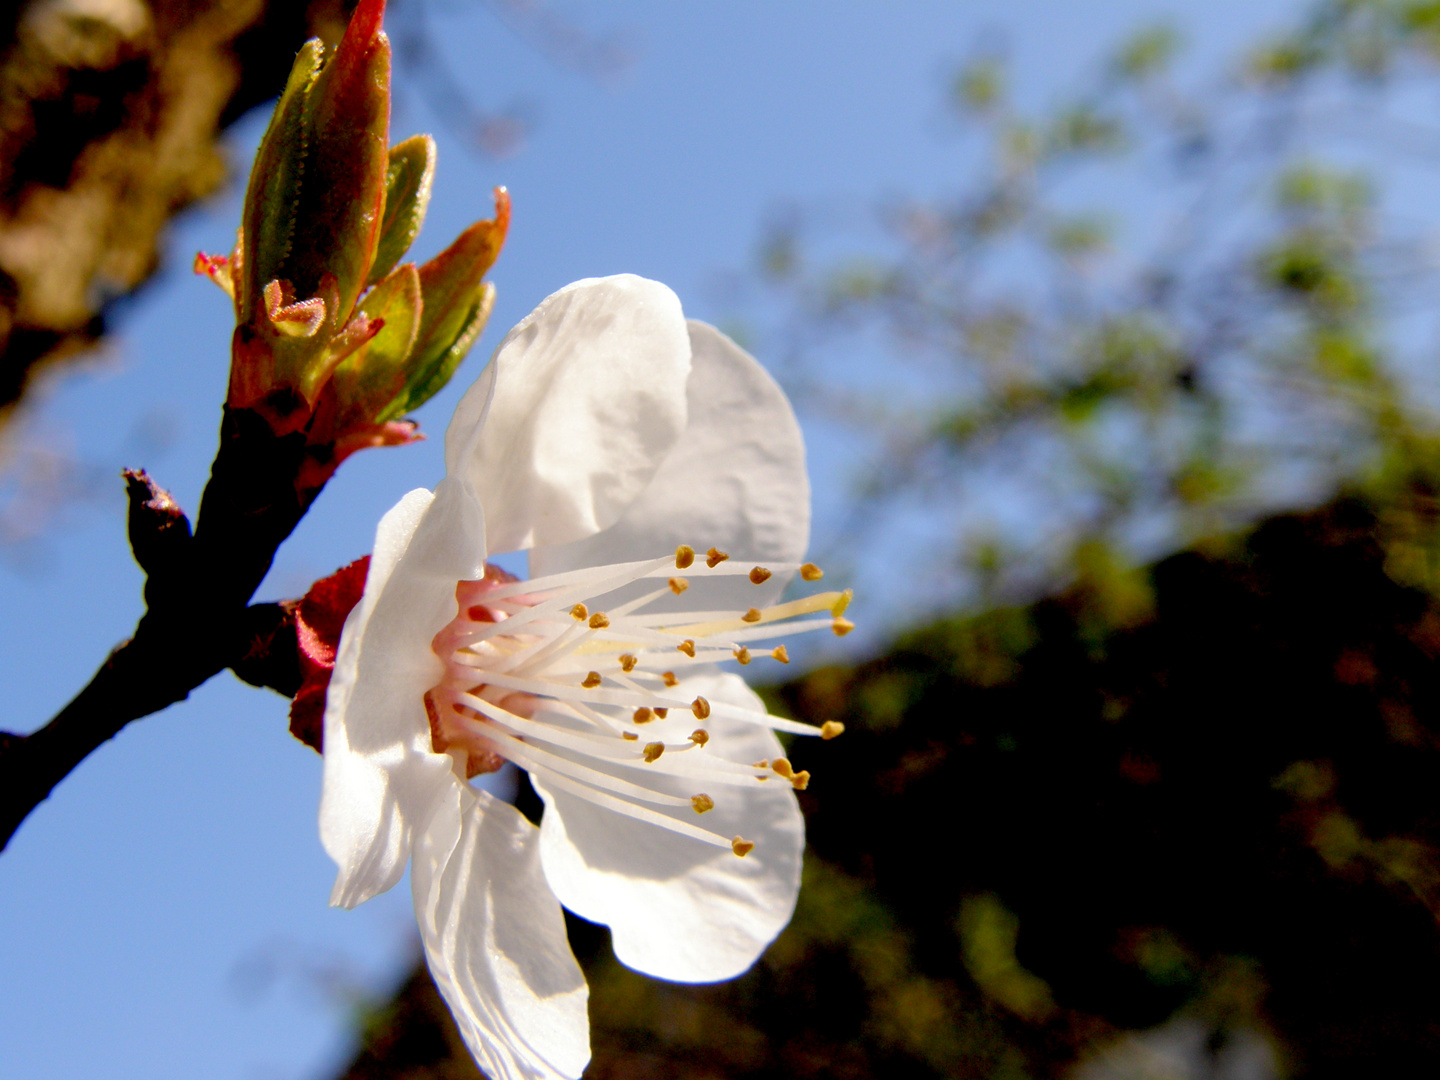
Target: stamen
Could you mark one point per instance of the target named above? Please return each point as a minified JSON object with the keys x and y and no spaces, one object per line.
{"x":830,"y":729}
{"x":842,"y":627}
{"x":534,"y":675}
{"x":761,"y":764}
{"x":639,"y":813}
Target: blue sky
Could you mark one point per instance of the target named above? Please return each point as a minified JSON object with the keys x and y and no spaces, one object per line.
{"x":164,"y":913}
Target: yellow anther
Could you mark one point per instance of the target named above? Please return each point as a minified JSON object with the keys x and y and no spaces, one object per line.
{"x":599,"y":621}
{"x":687,"y":647}
{"x":741,"y":846}
{"x":842,"y":627}
{"x":628,"y":662}
{"x":643,"y":715}
{"x":662,"y":713}
{"x":684,"y":556}
{"x":579,"y":612}
{"x":714,"y":557}
{"x":591,"y":681}
{"x":669,"y":677}
{"x":753,"y":615}
{"x":653,"y":750}
{"x":781,"y":766}
{"x":702,"y":803}
{"x":701,"y":708}
{"x":830,"y":729}
{"x":838,"y":608}
{"x":678,"y":585}
{"x":759,"y":575}
{"x":699,"y":736}
{"x":630,"y":735}
{"x":811,"y":572}
{"x":779,"y":653}
{"x":742,"y":654}
{"x":800,"y":781}
{"x":763,"y":763}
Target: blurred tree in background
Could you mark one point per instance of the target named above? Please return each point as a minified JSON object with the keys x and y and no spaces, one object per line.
{"x":1180,"y":815}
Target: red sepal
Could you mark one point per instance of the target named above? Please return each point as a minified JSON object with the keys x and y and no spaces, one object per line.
{"x":318,"y":622}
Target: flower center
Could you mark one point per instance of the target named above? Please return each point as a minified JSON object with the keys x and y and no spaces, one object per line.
{"x":594,"y":703}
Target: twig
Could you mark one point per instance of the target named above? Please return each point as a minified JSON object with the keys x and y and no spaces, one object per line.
{"x":198,"y":618}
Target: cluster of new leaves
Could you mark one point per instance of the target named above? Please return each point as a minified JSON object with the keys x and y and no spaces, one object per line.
{"x":1156,"y":313}
{"x":335,"y":336}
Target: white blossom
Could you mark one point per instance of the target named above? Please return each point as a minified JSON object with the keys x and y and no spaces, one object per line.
{"x":630,"y":453}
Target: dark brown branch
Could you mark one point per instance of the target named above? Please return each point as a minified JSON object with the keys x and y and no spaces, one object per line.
{"x":198,"y":620}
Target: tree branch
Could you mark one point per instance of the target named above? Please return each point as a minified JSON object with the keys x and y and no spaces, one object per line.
{"x":198,"y":618}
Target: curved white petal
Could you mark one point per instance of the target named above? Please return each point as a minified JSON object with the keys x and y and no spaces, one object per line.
{"x":577,"y":409}
{"x":677,"y":908}
{"x":495,"y":940}
{"x":381,"y":776}
{"x":736,"y":480}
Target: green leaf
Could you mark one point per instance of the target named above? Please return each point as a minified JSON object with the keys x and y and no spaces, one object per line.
{"x":407,"y":194}
{"x":274,"y":190}
{"x":371,"y":377}
{"x":428,"y":381}
{"x":450,"y":282}
{"x":337,"y":223}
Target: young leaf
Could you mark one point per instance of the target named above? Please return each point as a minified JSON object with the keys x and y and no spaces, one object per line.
{"x":425,"y":383}
{"x":450,"y":280}
{"x":337,"y":222}
{"x":274,"y":190}
{"x":407,"y":194}
{"x":372,"y":376}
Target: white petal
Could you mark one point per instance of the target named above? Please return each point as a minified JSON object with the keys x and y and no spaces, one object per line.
{"x":736,"y":480}
{"x":677,"y":908}
{"x":381,"y":776}
{"x":578,"y":407}
{"x":495,"y":940}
